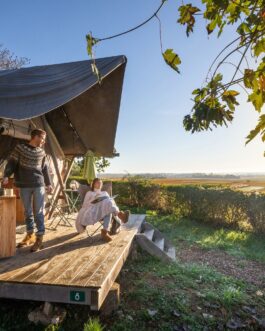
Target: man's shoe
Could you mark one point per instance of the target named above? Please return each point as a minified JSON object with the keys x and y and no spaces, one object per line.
{"x":124,"y":216}
{"x":28,"y":240}
{"x":105,"y":236}
{"x":38,"y":244}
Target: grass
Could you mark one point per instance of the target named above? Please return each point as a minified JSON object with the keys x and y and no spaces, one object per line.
{"x":93,"y":325}
{"x":234,"y":242}
{"x":161,"y":296}
{"x":175,"y":296}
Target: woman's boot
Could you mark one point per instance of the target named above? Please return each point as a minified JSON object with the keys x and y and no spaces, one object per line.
{"x":124,"y":216}
{"x":105,"y":236}
{"x":115,"y":227}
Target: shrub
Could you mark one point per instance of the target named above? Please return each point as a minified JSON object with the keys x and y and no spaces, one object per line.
{"x":217,"y":205}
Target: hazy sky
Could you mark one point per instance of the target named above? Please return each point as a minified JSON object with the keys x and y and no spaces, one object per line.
{"x":150,"y":136}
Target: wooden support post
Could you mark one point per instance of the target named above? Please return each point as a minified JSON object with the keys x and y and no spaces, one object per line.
{"x":45,"y":125}
{"x":68,"y":171}
{"x":48,"y":308}
{"x":58,"y":189}
{"x":112,"y":300}
{"x":47,"y":314}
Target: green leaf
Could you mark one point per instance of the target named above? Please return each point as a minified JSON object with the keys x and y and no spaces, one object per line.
{"x":197,"y":91}
{"x":187,"y":16}
{"x":230,"y":93}
{"x":258,"y":129}
{"x":255,"y":80}
{"x":243,"y":29}
{"x":259,"y":47}
{"x":90,"y":43}
{"x":230,"y":98}
{"x":257,"y":99}
{"x":172,"y":59}
{"x":249,"y":77}
{"x":211,"y":26}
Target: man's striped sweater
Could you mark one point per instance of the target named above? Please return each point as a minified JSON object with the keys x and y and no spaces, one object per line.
{"x":28,"y":164}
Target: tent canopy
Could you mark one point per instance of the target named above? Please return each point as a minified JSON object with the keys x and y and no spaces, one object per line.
{"x":82,"y":114}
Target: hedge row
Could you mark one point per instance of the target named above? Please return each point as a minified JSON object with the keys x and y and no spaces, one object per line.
{"x":208,"y":204}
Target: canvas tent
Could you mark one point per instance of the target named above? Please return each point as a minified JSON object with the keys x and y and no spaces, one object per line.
{"x":82,"y":114}
{"x":78,"y":113}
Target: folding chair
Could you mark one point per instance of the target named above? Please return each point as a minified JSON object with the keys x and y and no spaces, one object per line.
{"x":72,"y":200}
{"x":107,"y":186}
{"x":90,"y":235}
{"x":59,"y":215}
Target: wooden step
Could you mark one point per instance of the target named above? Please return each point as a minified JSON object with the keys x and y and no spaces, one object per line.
{"x":160,"y":243}
{"x":153,"y":241}
{"x":149,"y":233}
{"x":171,"y":252}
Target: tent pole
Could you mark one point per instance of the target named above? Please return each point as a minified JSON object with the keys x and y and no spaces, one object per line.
{"x":45,"y":125}
{"x":57,"y":189}
{"x":67,"y":174}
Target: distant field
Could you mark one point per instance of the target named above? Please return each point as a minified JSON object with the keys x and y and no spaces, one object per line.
{"x":194,"y":181}
{"x":180,"y":181}
{"x":244,"y":184}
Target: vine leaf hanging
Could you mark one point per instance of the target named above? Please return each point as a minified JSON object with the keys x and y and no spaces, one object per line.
{"x":91,"y":41}
{"x":172,"y":59}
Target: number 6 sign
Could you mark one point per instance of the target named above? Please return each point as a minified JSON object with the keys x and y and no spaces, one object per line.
{"x":77,"y":296}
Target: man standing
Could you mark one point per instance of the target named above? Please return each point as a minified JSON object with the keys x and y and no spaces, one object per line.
{"x":28,"y":164}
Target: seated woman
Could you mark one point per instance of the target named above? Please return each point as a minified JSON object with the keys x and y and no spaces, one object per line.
{"x":105,"y":210}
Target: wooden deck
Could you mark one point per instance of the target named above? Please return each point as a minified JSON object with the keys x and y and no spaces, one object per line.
{"x":70,"y":269}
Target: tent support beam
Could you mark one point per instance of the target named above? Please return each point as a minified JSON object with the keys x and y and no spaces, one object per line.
{"x":57,"y":189}
{"x":45,"y":125}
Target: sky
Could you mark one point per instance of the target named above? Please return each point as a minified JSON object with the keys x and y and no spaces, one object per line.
{"x":150,"y":135}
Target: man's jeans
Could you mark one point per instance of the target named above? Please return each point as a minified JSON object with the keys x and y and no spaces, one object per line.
{"x":38,"y":194}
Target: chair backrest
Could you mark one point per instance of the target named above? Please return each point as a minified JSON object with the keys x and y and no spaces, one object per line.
{"x":107,"y":186}
{"x":83,"y":189}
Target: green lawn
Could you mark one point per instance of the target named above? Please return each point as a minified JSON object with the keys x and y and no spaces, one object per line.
{"x":234,"y":242}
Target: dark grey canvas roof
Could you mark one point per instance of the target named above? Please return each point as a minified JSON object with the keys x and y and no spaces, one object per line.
{"x":82,"y":113}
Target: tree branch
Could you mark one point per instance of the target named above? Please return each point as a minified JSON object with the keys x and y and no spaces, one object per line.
{"x":136,"y":27}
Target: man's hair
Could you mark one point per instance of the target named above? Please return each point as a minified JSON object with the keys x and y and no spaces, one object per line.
{"x":37,"y":132}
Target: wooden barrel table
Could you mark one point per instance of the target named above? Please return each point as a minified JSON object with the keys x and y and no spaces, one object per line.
{"x":7,"y":226}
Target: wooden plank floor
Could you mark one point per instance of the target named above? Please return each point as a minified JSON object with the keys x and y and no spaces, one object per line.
{"x":72,"y":268}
